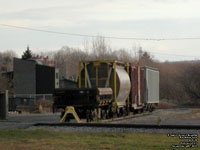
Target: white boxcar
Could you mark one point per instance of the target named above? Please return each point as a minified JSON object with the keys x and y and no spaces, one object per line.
{"x":151,"y":90}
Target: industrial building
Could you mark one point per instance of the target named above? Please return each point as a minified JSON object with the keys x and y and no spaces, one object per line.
{"x":68,"y":84}
{"x":31,"y":81}
{"x":31,"y":77}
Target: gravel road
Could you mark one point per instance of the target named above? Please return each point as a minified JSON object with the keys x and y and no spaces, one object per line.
{"x":21,"y":121}
{"x":177,"y":116}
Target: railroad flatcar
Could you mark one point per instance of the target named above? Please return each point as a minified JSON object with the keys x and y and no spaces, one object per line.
{"x":109,"y":89}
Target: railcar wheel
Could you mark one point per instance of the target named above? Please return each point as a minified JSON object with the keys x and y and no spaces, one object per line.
{"x":88,"y":118}
{"x":150,"y":108}
{"x":107,"y":113}
{"x":110,"y":113}
{"x":135,"y":111}
{"x":94,"y":115}
{"x":118,"y":112}
{"x":62,"y":114}
{"x":127,"y":111}
{"x":140,"y":111}
{"x":103,"y":114}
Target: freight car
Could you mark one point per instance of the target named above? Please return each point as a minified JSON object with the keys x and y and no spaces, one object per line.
{"x":144,"y":93}
{"x":109,"y":89}
{"x":86,"y":101}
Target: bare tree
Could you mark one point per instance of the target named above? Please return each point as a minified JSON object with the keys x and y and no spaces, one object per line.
{"x":100,"y":48}
{"x":61,"y":62}
{"x":191,"y":81}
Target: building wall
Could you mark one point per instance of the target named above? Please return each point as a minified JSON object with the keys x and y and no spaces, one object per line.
{"x":45,"y":79}
{"x":57,"y":84}
{"x":68,"y":84}
{"x":24,"y":76}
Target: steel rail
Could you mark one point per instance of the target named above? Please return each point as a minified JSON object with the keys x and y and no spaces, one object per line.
{"x":112,"y":125}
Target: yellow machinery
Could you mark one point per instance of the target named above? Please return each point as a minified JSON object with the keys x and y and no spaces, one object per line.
{"x":70,"y":110}
{"x":108,"y":77}
{"x":103,"y":74}
{"x":108,"y":89}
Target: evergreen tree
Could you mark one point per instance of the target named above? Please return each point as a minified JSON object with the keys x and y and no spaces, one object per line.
{"x":27,"y":54}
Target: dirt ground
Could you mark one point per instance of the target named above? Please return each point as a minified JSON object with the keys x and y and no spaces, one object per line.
{"x":176,"y":116}
{"x":170,"y":113}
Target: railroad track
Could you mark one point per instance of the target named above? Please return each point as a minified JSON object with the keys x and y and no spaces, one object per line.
{"x":126,"y":117}
{"x":113,"y":125}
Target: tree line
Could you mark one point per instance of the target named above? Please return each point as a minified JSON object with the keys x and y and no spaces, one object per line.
{"x":179,"y":81}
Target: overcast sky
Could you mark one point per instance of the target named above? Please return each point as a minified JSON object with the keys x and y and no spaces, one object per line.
{"x":119,"y":18}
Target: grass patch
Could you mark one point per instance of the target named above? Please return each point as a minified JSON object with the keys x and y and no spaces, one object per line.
{"x":53,"y":140}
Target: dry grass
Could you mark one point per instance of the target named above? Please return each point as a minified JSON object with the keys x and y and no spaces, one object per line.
{"x":51,"y":140}
{"x":164,"y":106}
{"x":44,"y":106}
{"x":194,"y":115}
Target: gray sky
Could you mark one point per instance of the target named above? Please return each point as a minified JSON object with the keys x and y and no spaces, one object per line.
{"x":127,"y":18}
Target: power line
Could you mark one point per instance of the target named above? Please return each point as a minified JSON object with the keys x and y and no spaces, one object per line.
{"x":124,"y":38}
{"x":109,"y":37}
